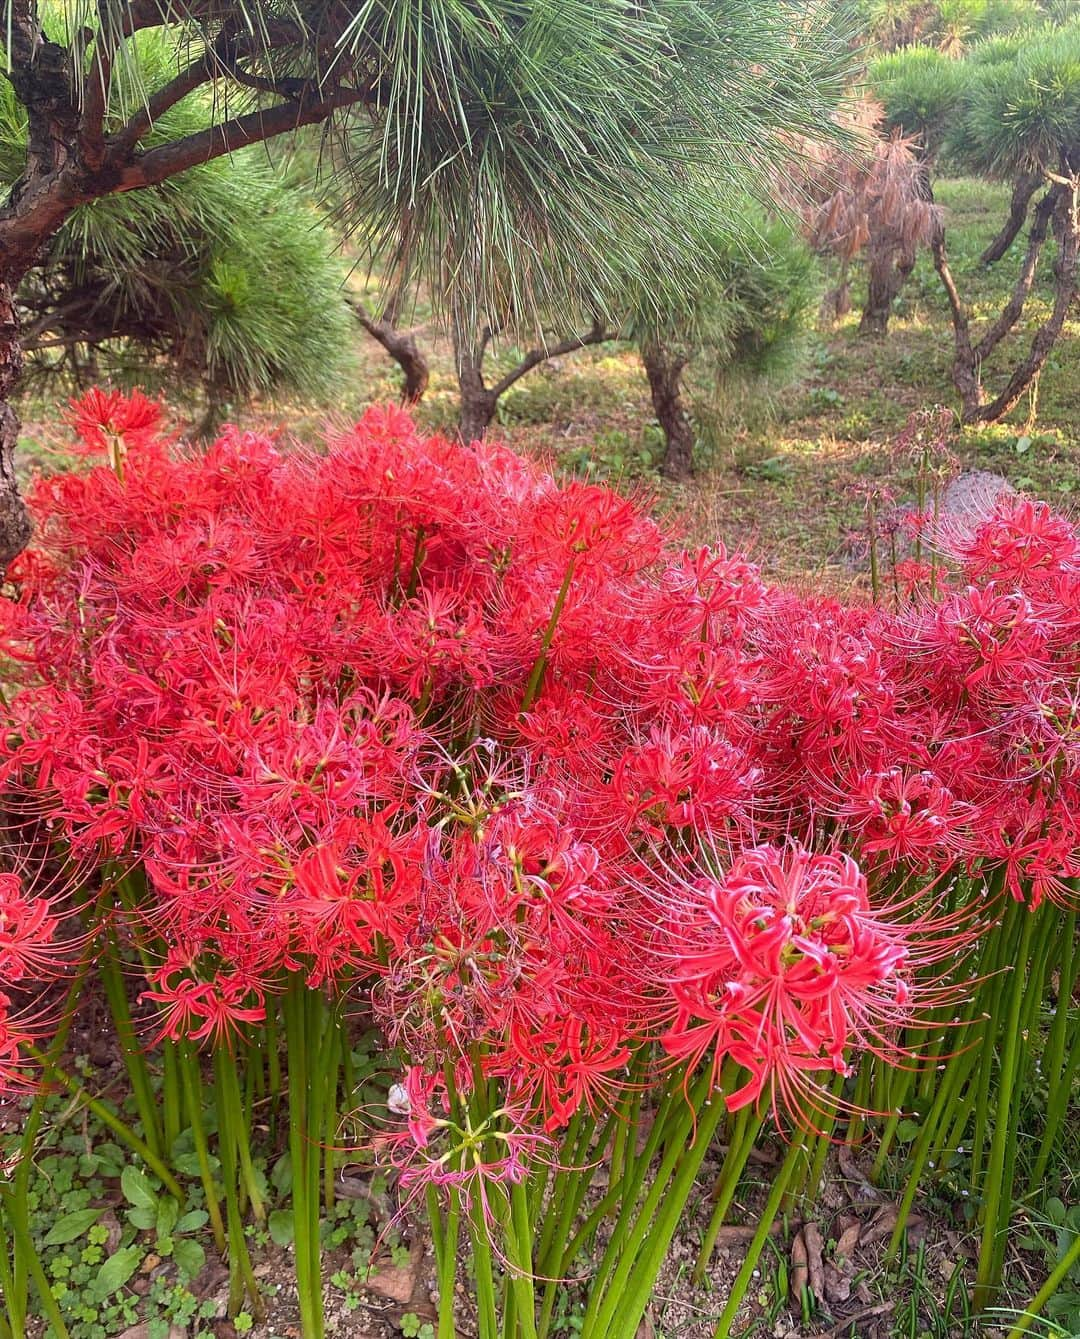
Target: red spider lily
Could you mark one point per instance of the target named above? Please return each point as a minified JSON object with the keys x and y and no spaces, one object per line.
{"x":27,"y":933}
{"x":289,"y":689}
{"x":785,"y":967}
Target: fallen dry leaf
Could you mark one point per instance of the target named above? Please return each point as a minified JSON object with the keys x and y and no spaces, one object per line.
{"x":815,"y":1245}
{"x":800,"y":1271}
{"x":397,"y":1283}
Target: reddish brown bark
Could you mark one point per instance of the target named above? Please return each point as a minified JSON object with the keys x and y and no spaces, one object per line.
{"x":664,"y":370}
{"x":71,"y":161}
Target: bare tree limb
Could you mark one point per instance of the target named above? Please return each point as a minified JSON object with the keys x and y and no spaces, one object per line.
{"x":599,"y":334}
{"x":401,"y":346}
{"x":1024,"y":188}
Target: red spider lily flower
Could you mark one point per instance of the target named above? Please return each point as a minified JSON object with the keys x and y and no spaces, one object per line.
{"x":114,"y":423}
{"x":785,"y":968}
{"x":27,"y":933}
{"x":217,"y":1008}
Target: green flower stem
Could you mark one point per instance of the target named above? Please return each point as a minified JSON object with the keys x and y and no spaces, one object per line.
{"x":330,"y":1115}
{"x":1054,"y":1058}
{"x":484,"y":1268}
{"x":898,"y":1096}
{"x":742,"y":1280}
{"x":1060,"y":1273}
{"x":949,"y":1082}
{"x":536,"y":676}
{"x":120,"y":1128}
{"x":310,"y":1299}
{"x":633,"y":1303}
{"x":447,"y":1269}
{"x":229,"y":1096}
{"x":568,"y":1195}
{"x":556,"y":1254}
{"x":230,"y":1136}
{"x":623,"y":1194}
{"x":171,"y":1096}
{"x":131,"y":1051}
{"x":521,"y":1261}
{"x":746,"y":1132}
{"x":191,"y":1082}
{"x":1057,"y":1109}
{"x":613,"y":1276}
{"x":1041,"y":957}
{"x":269,"y":1049}
{"x":322,"y":1033}
{"x":994,"y":1197}
{"x":26,"y":1250}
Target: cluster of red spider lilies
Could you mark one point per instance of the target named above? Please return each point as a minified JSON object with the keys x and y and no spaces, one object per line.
{"x":596,"y":832}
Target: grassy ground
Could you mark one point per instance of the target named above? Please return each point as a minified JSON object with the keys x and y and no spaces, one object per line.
{"x":785,"y":486}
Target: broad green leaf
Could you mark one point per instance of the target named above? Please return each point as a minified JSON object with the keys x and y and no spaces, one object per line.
{"x":142,"y":1218}
{"x":189,"y":1256}
{"x":72,"y":1226}
{"x":137,"y":1189}
{"x":187,"y":1164}
{"x":168,"y":1212}
{"x":282,"y":1228}
{"x":117,"y":1269}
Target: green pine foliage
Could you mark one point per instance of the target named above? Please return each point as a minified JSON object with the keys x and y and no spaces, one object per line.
{"x":1022,"y":113}
{"x":518,"y":138}
{"x":1009,"y":105}
{"x":921,"y":90}
{"x":223,"y":276}
{"x":742,"y":328}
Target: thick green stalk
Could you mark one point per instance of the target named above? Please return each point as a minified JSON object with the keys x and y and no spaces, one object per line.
{"x":536,"y":676}
{"x":447,"y":1271}
{"x":131,"y":1051}
{"x":521,"y":1261}
{"x":171,"y":1095}
{"x":613,"y":1276}
{"x":241,"y":1274}
{"x":330,"y":1116}
{"x":487,"y":1318}
{"x":24,"y":1248}
{"x":632,"y":1303}
{"x":191,"y":1081}
{"x":1054,"y":1058}
{"x":1057,"y":1109}
{"x":948,"y":1084}
{"x":995,"y":1189}
{"x":1061,"y":1272}
{"x":898,"y":1095}
{"x":229,"y":1096}
{"x":757,"y":1245}
{"x":742,"y":1144}
{"x":303,"y":1134}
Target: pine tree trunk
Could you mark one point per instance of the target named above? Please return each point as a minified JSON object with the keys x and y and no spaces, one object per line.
{"x":1023,"y":190}
{"x":1061,"y":204}
{"x":664,"y":370}
{"x":477,"y":411}
{"x":14,"y":520}
{"x":477,"y":402}
{"x":888,"y":271}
